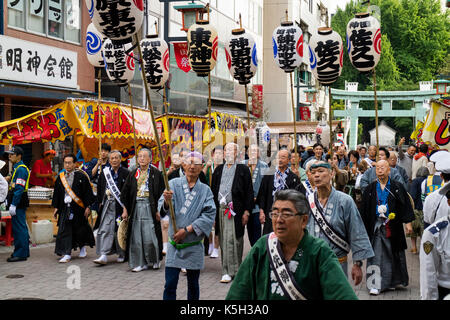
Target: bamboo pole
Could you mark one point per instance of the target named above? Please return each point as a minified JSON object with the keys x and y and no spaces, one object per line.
{"x":293,"y":114}
{"x":134,"y":127}
{"x":376,"y":110}
{"x":158,"y":142}
{"x":209,"y":101}
{"x":330,"y":118}
{"x":99,"y":76}
{"x":246,"y":104}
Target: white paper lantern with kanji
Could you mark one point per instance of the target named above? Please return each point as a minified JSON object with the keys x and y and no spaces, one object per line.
{"x":90,"y":6}
{"x":364,"y":42}
{"x":155,"y":54}
{"x":119,"y":65}
{"x":117,"y":20}
{"x":326,"y":52}
{"x":287,"y":43}
{"x":242,"y":60}
{"x":203,"y":43}
{"x":94,"y":42}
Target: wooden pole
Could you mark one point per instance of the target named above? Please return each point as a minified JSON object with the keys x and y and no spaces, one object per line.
{"x":376,"y":109}
{"x":99,"y":76}
{"x":293,"y":114}
{"x":209,"y":101}
{"x":246,"y":104}
{"x":134,"y":127}
{"x":330,"y":118}
{"x":158,"y":142}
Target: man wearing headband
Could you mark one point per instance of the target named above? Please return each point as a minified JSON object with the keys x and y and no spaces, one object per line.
{"x":385,"y":207}
{"x":41,"y":173}
{"x":334,"y":218}
{"x":195,"y":211}
{"x":233,"y":195}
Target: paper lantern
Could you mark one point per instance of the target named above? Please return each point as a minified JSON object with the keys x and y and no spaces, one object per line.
{"x":90,"y":7}
{"x":287,"y":43}
{"x":155,"y":54}
{"x":240,"y":51}
{"x":117,"y":20}
{"x":119,"y":64}
{"x":94,"y":42}
{"x":326,"y":52}
{"x":323,"y":133}
{"x":203,"y":43}
{"x":364,"y":42}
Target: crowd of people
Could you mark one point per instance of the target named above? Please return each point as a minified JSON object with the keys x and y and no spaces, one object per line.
{"x":304,"y":213}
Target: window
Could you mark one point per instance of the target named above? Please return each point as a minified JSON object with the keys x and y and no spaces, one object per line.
{"x":53,"y":18}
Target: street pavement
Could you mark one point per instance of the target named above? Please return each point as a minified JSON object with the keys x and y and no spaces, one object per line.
{"x":81,"y":279}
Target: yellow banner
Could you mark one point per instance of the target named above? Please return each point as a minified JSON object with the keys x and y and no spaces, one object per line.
{"x":436,"y":127}
{"x":417,"y":132}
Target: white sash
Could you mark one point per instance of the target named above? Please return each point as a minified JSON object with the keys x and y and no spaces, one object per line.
{"x":112,"y":185}
{"x":284,"y":275}
{"x":189,"y":197}
{"x":308,"y":187}
{"x":326,"y":228}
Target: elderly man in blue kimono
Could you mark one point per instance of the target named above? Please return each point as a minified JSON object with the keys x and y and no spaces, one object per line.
{"x":335,"y":219}
{"x":195,"y":213}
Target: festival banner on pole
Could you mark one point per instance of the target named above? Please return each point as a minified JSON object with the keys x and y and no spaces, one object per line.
{"x":257,"y":100}
{"x":436,"y":128}
{"x":65,"y":118}
{"x":181,"y":55}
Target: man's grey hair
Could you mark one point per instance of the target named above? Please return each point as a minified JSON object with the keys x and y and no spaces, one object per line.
{"x":146,"y":150}
{"x":236,"y":147}
{"x":284,"y":149}
{"x":297,"y":198}
{"x":310,"y":163}
{"x":115,"y":151}
{"x":423,"y":172}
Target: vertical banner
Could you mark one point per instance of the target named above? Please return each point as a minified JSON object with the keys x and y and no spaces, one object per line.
{"x":305,"y":114}
{"x":257,"y":100}
{"x":181,"y":55}
{"x":436,"y":130}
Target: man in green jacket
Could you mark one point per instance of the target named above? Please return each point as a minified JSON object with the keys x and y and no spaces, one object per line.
{"x":289,"y":263}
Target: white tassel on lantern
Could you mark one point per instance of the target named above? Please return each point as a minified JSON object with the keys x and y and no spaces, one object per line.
{"x":203,"y":44}
{"x":155,"y":54}
{"x":326,"y":52}
{"x":364,"y":42}
{"x":119,"y":65}
{"x":240,"y":52}
{"x":287,"y":44}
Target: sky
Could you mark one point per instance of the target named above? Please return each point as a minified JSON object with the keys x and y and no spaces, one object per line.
{"x":332,"y":4}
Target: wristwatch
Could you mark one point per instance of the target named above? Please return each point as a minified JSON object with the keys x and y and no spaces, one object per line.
{"x":185,"y":229}
{"x":358,"y":263}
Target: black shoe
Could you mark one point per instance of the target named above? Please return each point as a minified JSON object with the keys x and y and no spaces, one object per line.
{"x":15,"y":259}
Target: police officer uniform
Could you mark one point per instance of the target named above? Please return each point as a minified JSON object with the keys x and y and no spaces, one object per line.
{"x":435,"y":260}
{"x":18,"y":202}
{"x":435,"y":204}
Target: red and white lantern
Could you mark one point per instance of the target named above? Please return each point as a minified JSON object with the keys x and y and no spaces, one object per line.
{"x":364,"y":42}
{"x":203,"y":44}
{"x":155,"y":54}
{"x":242,"y":60}
{"x":117,"y":20}
{"x":119,"y":64}
{"x":94,"y":42}
{"x":326,"y":52}
{"x":287,"y":43}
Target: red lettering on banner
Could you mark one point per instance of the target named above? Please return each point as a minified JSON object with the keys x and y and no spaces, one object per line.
{"x":125,"y":127}
{"x":440,"y":140}
{"x":49,"y":128}
{"x":116,"y":119}
{"x":108,"y":121}
{"x":95,"y":126}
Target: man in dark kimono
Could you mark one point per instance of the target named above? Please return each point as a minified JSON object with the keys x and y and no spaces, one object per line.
{"x":72,"y":199}
{"x":140,"y":194}
{"x":385,"y":208}
{"x":110,"y":183}
{"x":233,"y":195}
{"x":283,"y":179}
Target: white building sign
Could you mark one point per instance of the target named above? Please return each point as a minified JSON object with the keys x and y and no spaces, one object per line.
{"x":32,"y":62}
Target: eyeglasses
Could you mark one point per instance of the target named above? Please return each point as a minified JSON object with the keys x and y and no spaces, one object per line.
{"x":285,"y":215}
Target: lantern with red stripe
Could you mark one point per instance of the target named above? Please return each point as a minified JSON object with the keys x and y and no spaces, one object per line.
{"x":119,"y":60}
{"x":287,"y":43}
{"x":203,"y":43}
{"x":155,"y":54}
{"x":240,"y":51}
{"x":326,"y":52}
{"x":117,"y":19}
{"x":364,"y":42}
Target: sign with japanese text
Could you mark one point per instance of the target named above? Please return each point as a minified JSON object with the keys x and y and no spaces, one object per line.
{"x":26,"y":61}
{"x":287,"y":45}
{"x":155,"y":54}
{"x":436,"y":130}
{"x":305,"y":114}
{"x":203,"y":44}
{"x":37,"y":8}
{"x":16,"y":4}
{"x":257,"y":100}
{"x":181,"y":55}
{"x":240,"y":52}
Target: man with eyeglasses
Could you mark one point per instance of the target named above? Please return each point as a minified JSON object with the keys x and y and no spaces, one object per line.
{"x":335,"y":219}
{"x":289,"y":263}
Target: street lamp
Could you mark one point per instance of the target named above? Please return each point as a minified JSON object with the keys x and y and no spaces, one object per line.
{"x":441,"y":86}
{"x":190,"y":13}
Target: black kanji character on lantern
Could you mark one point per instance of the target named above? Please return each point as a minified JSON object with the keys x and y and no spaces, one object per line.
{"x":114,"y":16}
{"x":286,"y":47}
{"x":14,"y":3}
{"x":153,"y":69}
{"x":200,"y":49}
{"x":361,"y":41}
{"x":65,"y":65}
{"x":327,"y":57}
{"x":33,"y":62}
{"x":14,"y":59}
{"x":49,"y":65}
{"x":241,"y":59}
